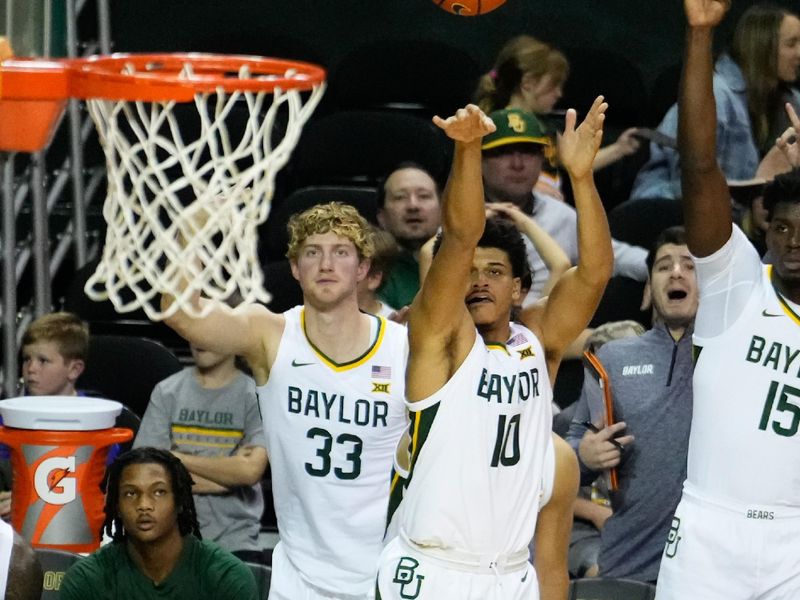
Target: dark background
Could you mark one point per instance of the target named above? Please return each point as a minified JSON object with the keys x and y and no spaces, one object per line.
{"x":648,"y":33}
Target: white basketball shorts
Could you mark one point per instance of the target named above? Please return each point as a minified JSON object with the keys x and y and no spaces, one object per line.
{"x":407,"y":574}
{"x":287,"y":584}
{"x":717,"y":551}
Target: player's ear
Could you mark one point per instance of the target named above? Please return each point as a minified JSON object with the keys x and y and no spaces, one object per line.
{"x":647,"y":296}
{"x":516,"y":291}
{"x":293,"y":266}
{"x":363,"y":268}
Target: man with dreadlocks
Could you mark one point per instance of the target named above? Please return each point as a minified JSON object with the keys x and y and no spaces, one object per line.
{"x":156,"y":551}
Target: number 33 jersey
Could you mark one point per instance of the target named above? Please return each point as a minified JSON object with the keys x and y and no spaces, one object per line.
{"x":331,"y":432}
{"x":478,"y":452}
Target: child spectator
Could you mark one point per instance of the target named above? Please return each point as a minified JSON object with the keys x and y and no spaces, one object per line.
{"x":54,"y":351}
{"x":208,"y":416}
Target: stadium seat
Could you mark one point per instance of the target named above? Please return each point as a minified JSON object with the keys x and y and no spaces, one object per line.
{"x":568,"y":383}
{"x":103,"y":318}
{"x":663,"y":93}
{"x":129,"y":420}
{"x":281,"y":285}
{"x":639,"y":222}
{"x":54,"y":565}
{"x":263,"y":575}
{"x":126,"y":369}
{"x":602,"y":588}
{"x":358,"y":147}
{"x":423,"y":77}
{"x":595,"y":70}
{"x":274,"y":237}
{"x":621,"y":301}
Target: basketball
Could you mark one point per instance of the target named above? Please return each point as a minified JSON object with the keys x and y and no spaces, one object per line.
{"x":469,"y":8}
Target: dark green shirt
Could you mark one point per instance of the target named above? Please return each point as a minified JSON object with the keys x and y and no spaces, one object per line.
{"x":402,"y":284}
{"x":204,"y":571}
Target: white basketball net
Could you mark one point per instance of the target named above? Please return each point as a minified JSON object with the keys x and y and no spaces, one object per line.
{"x":157,"y":242}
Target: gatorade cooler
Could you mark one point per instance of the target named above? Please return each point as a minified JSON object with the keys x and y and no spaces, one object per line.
{"x":59,"y":446}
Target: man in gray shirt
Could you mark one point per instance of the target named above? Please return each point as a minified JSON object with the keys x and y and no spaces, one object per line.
{"x":512,"y":162}
{"x":651,"y":383}
{"x":208,"y":416}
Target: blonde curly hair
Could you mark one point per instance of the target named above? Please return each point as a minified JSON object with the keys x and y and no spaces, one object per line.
{"x":341,"y":219}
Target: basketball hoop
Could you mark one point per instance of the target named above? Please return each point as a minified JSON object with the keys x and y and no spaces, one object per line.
{"x":187,"y":188}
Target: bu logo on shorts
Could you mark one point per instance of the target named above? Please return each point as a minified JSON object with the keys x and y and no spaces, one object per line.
{"x":673,"y":538}
{"x":404,"y":575}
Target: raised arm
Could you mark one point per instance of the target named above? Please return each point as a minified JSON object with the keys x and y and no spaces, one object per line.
{"x":252,"y":332}
{"x":705,"y":195}
{"x":439,"y":324}
{"x":575,"y":297}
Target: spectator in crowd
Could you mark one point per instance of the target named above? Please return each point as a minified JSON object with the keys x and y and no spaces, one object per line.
{"x":592,"y":506}
{"x":157,"y":551}
{"x":54,"y":351}
{"x":208,"y":416}
{"x":408,"y":208}
{"x":511,"y":165}
{"x":651,"y":382}
{"x":529,"y":75}
{"x":752,"y":82}
{"x":20,"y":571}
{"x":380,"y":268}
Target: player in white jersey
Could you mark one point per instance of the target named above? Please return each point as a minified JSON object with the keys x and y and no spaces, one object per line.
{"x":478,"y":386}
{"x":331,"y":388}
{"x":736,"y":530}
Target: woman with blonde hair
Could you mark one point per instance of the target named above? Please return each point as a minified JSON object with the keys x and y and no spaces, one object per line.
{"x":752,"y":84}
{"x":529,"y":75}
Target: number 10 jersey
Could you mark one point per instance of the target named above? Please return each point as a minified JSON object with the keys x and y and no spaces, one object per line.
{"x":331,"y":432}
{"x":478,"y":452}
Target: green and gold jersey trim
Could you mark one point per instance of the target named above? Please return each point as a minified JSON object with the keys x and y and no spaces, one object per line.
{"x":421,"y":423}
{"x":338,"y":367}
{"x":696,"y":350}
{"x":783,"y":302}
{"x":497,"y":346}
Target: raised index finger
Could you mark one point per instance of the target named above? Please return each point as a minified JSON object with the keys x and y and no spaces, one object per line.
{"x":793,"y":118}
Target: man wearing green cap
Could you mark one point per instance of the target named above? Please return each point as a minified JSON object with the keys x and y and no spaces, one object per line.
{"x":513,"y":156}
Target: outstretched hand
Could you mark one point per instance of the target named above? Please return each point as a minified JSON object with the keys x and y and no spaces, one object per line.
{"x":467,"y":125}
{"x":705,"y":13}
{"x":578,"y":147}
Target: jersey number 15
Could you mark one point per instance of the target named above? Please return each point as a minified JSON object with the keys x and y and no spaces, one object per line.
{"x":785,"y":405}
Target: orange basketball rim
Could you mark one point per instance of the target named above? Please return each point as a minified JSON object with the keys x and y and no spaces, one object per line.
{"x":34,"y":92}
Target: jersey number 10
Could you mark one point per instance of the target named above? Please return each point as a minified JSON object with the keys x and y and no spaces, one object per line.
{"x":507,"y":431}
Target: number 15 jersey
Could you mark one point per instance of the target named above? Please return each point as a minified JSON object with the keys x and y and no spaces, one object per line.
{"x":744,"y":443}
{"x":331,"y":432}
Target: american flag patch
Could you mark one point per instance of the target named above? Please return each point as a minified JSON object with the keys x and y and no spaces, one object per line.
{"x":520,"y":338}
{"x":381,"y":372}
